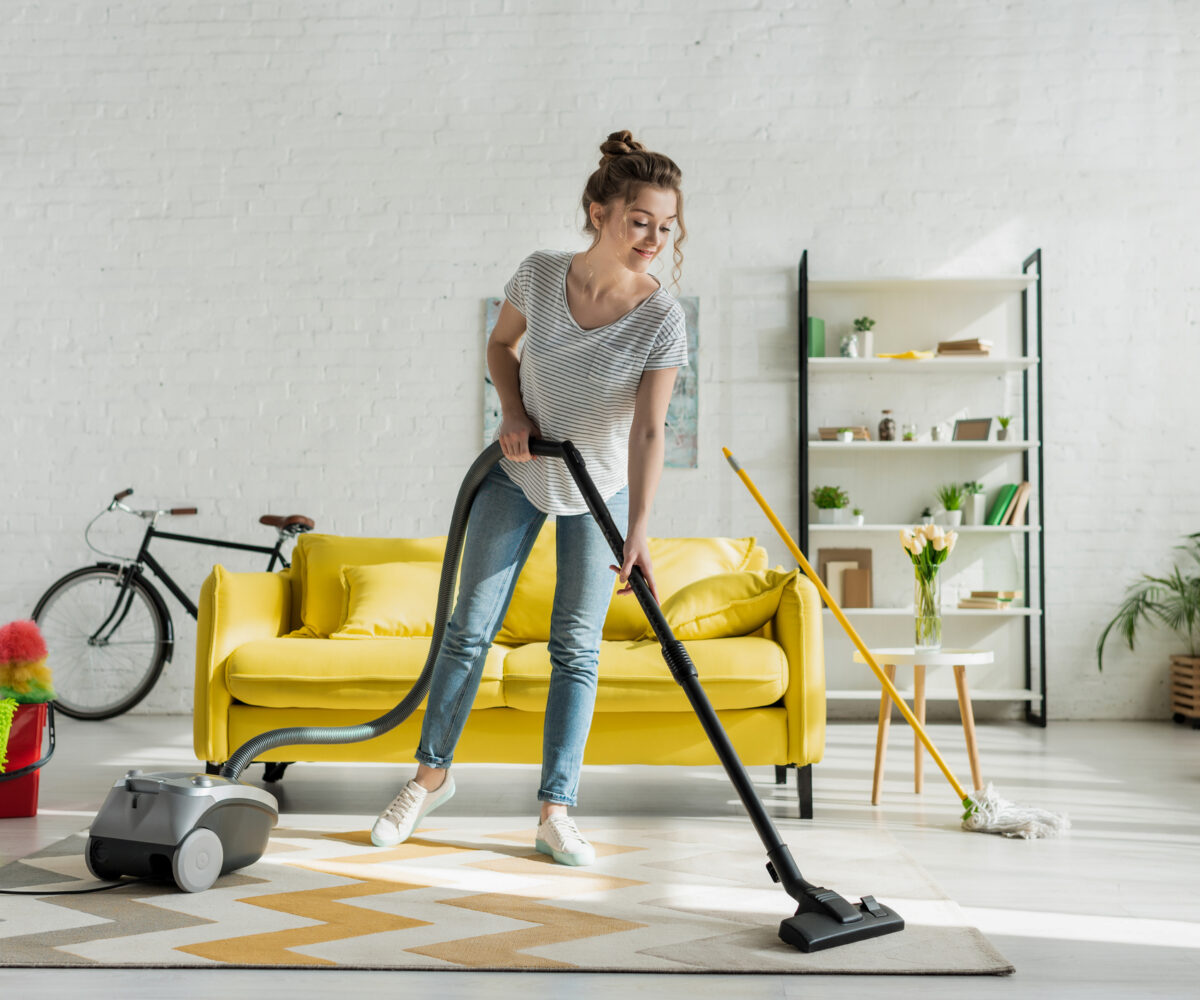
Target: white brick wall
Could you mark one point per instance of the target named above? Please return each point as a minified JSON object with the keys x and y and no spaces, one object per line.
{"x":244,"y":248}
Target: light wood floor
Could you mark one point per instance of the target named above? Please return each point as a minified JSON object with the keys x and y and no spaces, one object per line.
{"x":1113,"y":910}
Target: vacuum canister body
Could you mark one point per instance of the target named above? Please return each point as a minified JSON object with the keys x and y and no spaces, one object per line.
{"x":179,"y":826}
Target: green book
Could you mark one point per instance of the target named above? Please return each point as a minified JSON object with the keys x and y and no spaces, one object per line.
{"x":1000,"y":506}
{"x":816,"y":337}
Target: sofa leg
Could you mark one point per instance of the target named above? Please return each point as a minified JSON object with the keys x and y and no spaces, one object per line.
{"x":211,"y":768}
{"x":805,"y":791}
{"x":781,"y":771}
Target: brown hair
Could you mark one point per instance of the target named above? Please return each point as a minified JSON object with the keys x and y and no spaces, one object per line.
{"x":625,"y":168}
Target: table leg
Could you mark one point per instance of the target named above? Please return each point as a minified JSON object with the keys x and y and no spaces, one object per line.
{"x":968,"y":721}
{"x":885,"y":718}
{"x":919,"y":712}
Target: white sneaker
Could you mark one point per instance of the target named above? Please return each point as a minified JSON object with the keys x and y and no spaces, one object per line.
{"x":560,"y":838}
{"x":397,"y":822}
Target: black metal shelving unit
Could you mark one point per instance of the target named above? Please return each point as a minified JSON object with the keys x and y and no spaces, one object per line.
{"x":1031,"y":339}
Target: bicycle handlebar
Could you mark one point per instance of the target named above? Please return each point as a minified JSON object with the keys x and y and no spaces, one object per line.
{"x":122,"y":495}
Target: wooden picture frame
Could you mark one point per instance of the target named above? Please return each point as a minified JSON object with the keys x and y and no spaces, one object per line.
{"x":974,"y":429}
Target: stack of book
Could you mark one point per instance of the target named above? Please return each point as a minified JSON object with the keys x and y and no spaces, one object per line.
{"x":1009,"y":505}
{"x":964,"y":348}
{"x":992,"y":599}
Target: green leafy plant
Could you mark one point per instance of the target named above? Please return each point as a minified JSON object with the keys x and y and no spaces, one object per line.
{"x":845,"y":430}
{"x":857,"y":512}
{"x":972,"y":487}
{"x":1004,"y":422}
{"x":863,"y":324}
{"x":830,"y":497}
{"x":951,"y":496}
{"x":1172,"y":600}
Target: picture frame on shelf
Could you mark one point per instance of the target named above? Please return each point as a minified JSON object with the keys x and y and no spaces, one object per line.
{"x":847,"y":575}
{"x":973,"y":429}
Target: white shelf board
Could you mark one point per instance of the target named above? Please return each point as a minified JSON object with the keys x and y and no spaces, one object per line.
{"x":994,"y":694}
{"x":981,"y":283}
{"x":946,"y":612}
{"x":972,"y":529}
{"x":962,"y":366}
{"x":901,"y":446}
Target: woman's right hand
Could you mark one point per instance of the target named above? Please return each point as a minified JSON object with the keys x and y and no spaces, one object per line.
{"x":515,"y":433}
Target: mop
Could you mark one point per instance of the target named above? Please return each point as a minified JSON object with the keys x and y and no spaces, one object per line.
{"x":985,"y":811}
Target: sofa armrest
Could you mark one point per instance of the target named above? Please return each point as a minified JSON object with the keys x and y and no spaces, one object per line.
{"x":797,"y":627}
{"x":234,"y":608}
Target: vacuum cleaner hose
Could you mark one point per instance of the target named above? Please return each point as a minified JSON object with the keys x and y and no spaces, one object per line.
{"x":299,"y":735}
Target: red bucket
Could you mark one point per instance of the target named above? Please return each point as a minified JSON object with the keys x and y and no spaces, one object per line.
{"x":19,"y":782}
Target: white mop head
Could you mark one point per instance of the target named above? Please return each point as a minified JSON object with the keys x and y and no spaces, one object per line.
{"x":987,"y":812}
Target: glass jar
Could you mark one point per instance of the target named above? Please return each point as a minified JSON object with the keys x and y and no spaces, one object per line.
{"x":927,"y":612}
{"x":887,"y":427}
{"x":849,"y":345}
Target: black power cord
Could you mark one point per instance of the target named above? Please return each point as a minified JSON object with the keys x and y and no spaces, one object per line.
{"x":70,"y":892}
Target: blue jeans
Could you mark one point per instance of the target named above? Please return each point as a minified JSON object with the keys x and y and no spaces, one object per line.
{"x":501,"y":530}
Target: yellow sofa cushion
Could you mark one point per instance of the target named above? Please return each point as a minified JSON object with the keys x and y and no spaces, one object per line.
{"x":740,"y":672}
{"x":675,"y":563}
{"x":322,"y":558}
{"x":390,"y":599}
{"x":303,"y":673}
{"x":724,"y":604}
{"x":528,"y":614}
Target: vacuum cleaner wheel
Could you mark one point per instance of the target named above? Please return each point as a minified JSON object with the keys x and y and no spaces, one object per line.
{"x":96,"y":857}
{"x":197,"y":860}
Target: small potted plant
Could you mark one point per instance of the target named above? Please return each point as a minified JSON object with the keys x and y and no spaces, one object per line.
{"x":927,"y":516}
{"x":830,"y":501}
{"x":1173,"y":601}
{"x":1002,"y":432}
{"x":845,"y":434}
{"x":858,"y":516}
{"x":951,"y":497}
{"x":862,"y":328}
{"x":976,"y":503}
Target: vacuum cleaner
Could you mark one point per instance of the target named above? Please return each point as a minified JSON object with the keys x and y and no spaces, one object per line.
{"x":192,"y":828}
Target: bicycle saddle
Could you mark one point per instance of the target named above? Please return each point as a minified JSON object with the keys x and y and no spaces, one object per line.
{"x":295,"y":523}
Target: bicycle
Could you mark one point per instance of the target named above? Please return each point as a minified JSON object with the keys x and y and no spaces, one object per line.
{"x":107,"y":628}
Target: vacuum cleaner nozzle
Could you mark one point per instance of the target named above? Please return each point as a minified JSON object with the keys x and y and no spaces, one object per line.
{"x":826,"y":920}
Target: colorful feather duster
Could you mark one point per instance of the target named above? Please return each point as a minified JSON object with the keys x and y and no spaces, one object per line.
{"x":24,"y":677}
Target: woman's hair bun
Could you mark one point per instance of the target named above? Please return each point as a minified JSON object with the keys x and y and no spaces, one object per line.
{"x":620,"y":144}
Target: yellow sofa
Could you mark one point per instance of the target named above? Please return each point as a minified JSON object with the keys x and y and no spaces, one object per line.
{"x":342,"y":635}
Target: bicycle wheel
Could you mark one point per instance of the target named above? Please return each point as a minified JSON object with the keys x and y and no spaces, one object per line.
{"x":107,"y":643}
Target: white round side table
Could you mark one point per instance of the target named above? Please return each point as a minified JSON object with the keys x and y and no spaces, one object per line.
{"x":891,"y":658}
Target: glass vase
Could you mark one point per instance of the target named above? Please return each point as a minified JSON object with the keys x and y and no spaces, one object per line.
{"x":927,"y":612}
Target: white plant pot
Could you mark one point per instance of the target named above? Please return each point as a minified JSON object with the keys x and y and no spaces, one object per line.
{"x":845,"y":436}
{"x":952,"y":518}
{"x":976,"y":509}
{"x":829,"y":515}
{"x":859,"y":519}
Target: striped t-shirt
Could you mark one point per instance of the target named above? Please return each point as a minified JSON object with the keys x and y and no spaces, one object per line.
{"x":581,"y":385}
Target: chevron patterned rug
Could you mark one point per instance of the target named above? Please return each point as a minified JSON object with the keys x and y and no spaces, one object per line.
{"x":663,"y":896}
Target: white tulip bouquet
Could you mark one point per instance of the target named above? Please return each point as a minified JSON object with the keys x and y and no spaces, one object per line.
{"x":928,"y":546}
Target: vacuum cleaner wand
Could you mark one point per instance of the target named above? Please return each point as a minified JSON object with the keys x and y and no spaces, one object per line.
{"x":824,"y":919}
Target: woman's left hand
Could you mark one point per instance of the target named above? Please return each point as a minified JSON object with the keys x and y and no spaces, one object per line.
{"x":637,"y":553}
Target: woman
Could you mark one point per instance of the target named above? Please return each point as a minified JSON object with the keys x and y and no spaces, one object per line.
{"x":603,"y":341}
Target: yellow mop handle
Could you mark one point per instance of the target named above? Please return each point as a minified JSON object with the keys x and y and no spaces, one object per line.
{"x":888,"y":686}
